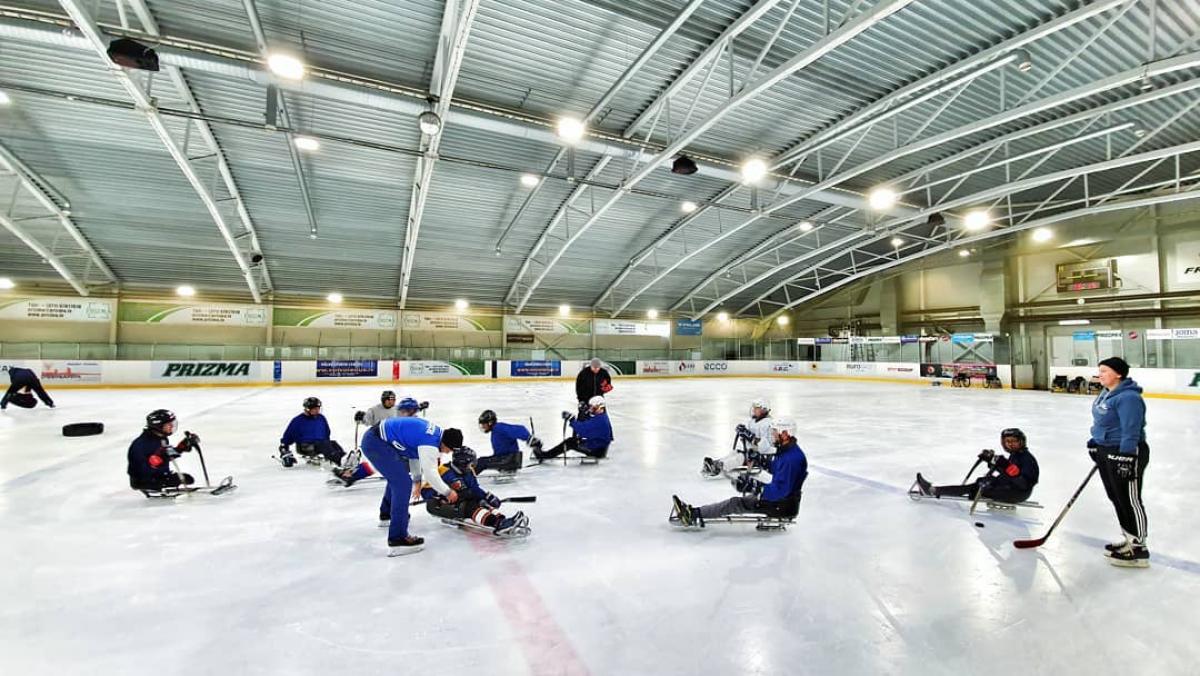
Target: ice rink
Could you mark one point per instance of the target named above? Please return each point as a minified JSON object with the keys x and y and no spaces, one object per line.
{"x":290,"y":576}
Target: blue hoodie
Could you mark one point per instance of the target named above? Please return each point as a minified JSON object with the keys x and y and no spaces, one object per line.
{"x":505,"y":436}
{"x":1119,"y":417}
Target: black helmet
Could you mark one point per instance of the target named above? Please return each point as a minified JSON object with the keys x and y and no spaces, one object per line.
{"x":488,"y":417}
{"x":158,"y":418}
{"x":462,"y":459}
{"x":312,"y":402}
{"x":387,"y":394}
{"x":1015,"y":433}
{"x":452,"y":437}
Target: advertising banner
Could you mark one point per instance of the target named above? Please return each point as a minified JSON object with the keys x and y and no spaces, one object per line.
{"x":207,"y":314}
{"x":378,"y":320}
{"x":429,"y":321}
{"x":688,"y":327}
{"x":1159,"y":334}
{"x":622,"y":327}
{"x":442,"y":369}
{"x":1108,"y":335}
{"x":547,"y":325}
{"x":57,"y":309}
{"x":71,"y":371}
{"x":806,"y":341}
{"x":949,"y":370}
{"x":1084,"y":336}
{"x":186,"y":371}
{"x":654,"y":368}
{"x":1185,"y":334}
{"x":347,"y":368}
{"x":535,"y":369}
{"x":1187,"y":263}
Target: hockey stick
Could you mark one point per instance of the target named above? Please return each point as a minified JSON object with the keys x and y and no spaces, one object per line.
{"x":978,"y":493}
{"x":972,"y":470}
{"x":191,"y":439}
{"x":519,"y":498}
{"x":1038,"y":542}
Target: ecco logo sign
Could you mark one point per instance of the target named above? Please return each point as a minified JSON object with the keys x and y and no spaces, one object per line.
{"x":716,"y":366}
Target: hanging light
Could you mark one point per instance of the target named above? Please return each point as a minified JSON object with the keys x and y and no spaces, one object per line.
{"x":5,"y":99}
{"x":185,"y":291}
{"x":530,"y":180}
{"x":964,"y":253}
{"x":882,"y":198}
{"x":652,"y":314}
{"x":805,"y":226}
{"x":897,"y":242}
{"x":564,"y":310}
{"x":1043,"y":235}
{"x":334,"y":298}
{"x":429,"y":122}
{"x":753,"y":170}
{"x":286,"y":66}
{"x":688,"y":207}
{"x":1023,"y":60}
{"x":307,"y":143}
{"x":461,"y":304}
{"x":782,"y":320}
{"x":6,"y":283}
{"x":722,"y":316}
{"x":684,"y":165}
{"x":977,"y":220}
{"x":570,"y":129}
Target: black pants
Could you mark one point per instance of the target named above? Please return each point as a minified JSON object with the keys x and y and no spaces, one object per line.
{"x":465,"y":508}
{"x":330,"y":450}
{"x":169,"y":480}
{"x":994,"y":491}
{"x":784,"y":509}
{"x":574,"y":444}
{"x":508,"y":462}
{"x":1126,"y":494}
{"x":33,"y":383}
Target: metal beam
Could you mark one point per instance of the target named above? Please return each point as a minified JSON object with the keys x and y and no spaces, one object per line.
{"x":457,"y":19}
{"x":748,"y":93}
{"x":142,"y":101}
{"x":260,"y":38}
{"x":35,"y":185}
{"x":45,"y":253}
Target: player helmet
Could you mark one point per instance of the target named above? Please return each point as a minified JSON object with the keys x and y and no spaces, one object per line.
{"x":462,"y":459}
{"x":408,"y":404}
{"x":1015,"y":433}
{"x":452,"y":438}
{"x":788,"y":425}
{"x":596,"y":402}
{"x":387,"y":394}
{"x":488,"y":417}
{"x":760,"y":402}
{"x":311,"y":402}
{"x":158,"y":418}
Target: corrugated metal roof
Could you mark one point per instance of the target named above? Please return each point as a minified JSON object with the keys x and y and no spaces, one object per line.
{"x":540,"y":59}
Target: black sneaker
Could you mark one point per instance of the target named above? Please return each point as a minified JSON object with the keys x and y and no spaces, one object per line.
{"x":385,"y":520}
{"x":409,"y":545}
{"x":1133,"y":556}
{"x":1114,"y":546}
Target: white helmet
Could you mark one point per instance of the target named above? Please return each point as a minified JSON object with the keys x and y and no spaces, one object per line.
{"x":760,"y":402}
{"x":596,"y":401}
{"x":780,"y":425}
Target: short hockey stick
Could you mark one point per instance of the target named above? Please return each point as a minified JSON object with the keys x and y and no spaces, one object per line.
{"x":519,"y":498}
{"x":1038,"y":542}
{"x":200,"y":454}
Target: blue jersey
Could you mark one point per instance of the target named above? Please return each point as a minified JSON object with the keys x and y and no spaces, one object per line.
{"x":306,"y":428}
{"x":465,"y":484}
{"x":406,"y":434}
{"x":595,"y":431}
{"x":505,"y":437}
{"x":788,"y":471}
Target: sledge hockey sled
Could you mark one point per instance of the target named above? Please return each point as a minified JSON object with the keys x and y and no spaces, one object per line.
{"x":226,"y":485}
{"x":467,"y":524}
{"x":914,"y":494}
{"x":761,"y":522}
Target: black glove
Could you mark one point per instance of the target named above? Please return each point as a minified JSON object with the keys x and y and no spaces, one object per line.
{"x":184,"y":444}
{"x":360,"y":416}
{"x":568,"y":416}
{"x":744,"y":432}
{"x":748,"y":485}
{"x":172,"y":452}
{"x":986,"y":455}
{"x":422,"y":406}
{"x":535,"y":443}
{"x":491,"y":501}
{"x":1000,"y":463}
{"x":760,"y":460}
{"x":1123,"y":466}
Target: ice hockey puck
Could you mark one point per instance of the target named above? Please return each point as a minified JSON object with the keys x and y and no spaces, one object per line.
{"x":85,"y":429}
{"x":979,"y":524}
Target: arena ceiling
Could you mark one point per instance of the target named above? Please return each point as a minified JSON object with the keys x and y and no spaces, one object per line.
{"x":223,"y":172}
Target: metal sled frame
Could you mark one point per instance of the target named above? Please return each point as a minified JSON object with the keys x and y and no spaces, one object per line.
{"x":467,"y":524}
{"x":762,"y":522}
{"x":914,"y":494}
{"x":170,"y":493}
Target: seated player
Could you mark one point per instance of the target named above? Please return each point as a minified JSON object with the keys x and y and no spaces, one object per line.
{"x":309,"y":431}
{"x":24,"y":383}
{"x":778,"y":499}
{"x":506,"y":453}
{"x":150,"y":455}
{"x":353,"y":466}
{"x":473,"y":503}
{"x":1010,"y":479}
{"x":754,"y":434}
{"x":592,"y":434}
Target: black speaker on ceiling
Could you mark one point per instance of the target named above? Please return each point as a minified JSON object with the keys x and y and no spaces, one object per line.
{"x":684,"y":165}
{"x":132,"y":54}
{"x":936,"y":219}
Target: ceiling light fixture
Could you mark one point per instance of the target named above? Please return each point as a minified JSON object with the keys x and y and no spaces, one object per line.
{"x":964,"y":253}
{"x":530,"y":180}
{"x":688,"y":207}
{"x":897,"y":242}
{"x":753,"y":170}
{"x":286,"y":66}
{"x":1023,"y":60}
{"x":977,"y":220}
{"x":652,"y":314}
{"x":570,"y":129}
{"x":5,"y":99}
{"x":1043,"y":235}
{"x":6,"y":283}
{"x":782,"y":320}
{"x":185,"y":291}
{"x":564,"y":310}
{"x":882,"y":198}
{"x":334,"y":298}
{"x":461,"y":304}
{"x":722,"y":316}
{"x":430,"y":123}
{"x":1074,"y":322}
{"x":805,"y":226}
{"x":307,"y":143}
{"x":684,"y":166}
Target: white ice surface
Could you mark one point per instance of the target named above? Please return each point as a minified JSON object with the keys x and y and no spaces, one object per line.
{"x":289,"y":576}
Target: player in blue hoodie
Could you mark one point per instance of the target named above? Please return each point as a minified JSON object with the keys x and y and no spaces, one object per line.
{"x":309,"y":431}
{"x":1118,"y":447}
{"x":778,"y":499}
{"x":506,"y":453}
{"x":592,"y":433}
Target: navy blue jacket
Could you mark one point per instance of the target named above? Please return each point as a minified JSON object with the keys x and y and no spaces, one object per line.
{"x":1119,"y":417}
{"x":466,"y":485}
{"x":20,"y":379}
{"x":150,"y":461}
{"x":306,"y":428}
{"x":788,"y":471}
{"x":596,"y":431}
{"x":505,"y":437}
{"x":1018,"y":470}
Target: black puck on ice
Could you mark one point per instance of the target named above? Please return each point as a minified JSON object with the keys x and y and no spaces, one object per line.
{"x":979,"y":524}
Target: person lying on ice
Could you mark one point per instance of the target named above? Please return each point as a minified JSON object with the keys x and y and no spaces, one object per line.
{"x":506,"y":453}
{"x":1009,"y":479}
{"x":778,"y":499}
{"x":471,"y":502}
{"x":754,"y":433}
{"x":150,"y":455}
{"x":354,"y":468}
{"x":592,"y":434}
{"x":309,"y":431}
